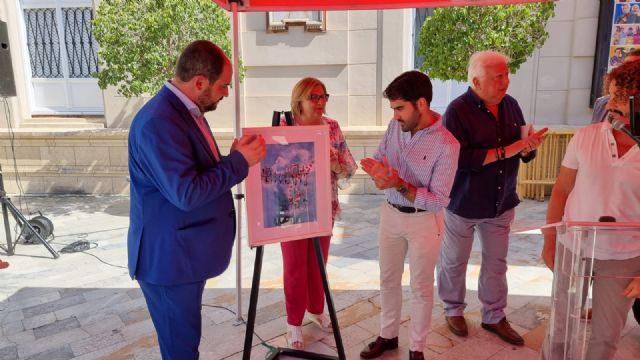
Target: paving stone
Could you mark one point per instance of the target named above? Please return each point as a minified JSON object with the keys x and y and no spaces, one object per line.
{"x":147,"y":354}
{"x":71,"y":292}
{"x":139,"y":329}
{"x":39,"y":320}
{"x":135,"y":316}
{"x":31,"y":302}
{"x":56,"y":327}
{"x":61,"y":353}
{"x":52,"y":306}
{"x":22,"y":337}
{"x":28,"y":293}
{"x":105,"y":352}
{"x":9,"y":352}
{"x":12,"y":327}
{"x":91,"y":306}
{"x":8,"y":316}
{"x":50,"y":342}
{"x":96,"y":343}
{"x":135,"y":293}
{"x":106,"y":323}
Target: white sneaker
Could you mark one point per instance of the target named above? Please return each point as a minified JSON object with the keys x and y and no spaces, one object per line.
{"x":322,"y":320}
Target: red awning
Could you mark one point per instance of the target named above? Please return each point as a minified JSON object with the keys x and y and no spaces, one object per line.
{"x":289,"y":5}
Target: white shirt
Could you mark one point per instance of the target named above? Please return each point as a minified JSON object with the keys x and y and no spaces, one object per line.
{"x":198,"y":117}
{"x":606,"y":184}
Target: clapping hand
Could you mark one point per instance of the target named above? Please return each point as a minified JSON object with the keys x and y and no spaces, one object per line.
{"x":534,"y":139}
{"x":383,"y":175}
{"x":252,"y":148}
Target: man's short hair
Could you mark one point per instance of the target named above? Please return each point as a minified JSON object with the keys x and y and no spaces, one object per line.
{"x":410,"y":86}
{"x":481,"y":60}
{"x":201,"y":57}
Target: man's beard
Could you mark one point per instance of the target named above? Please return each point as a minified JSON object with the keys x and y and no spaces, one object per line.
{"x":204,"y":102}
{"x":412,"y":123}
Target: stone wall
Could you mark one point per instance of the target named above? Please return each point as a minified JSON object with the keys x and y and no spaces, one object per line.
{"x":95,"y":161}
{"x":70,"y":162}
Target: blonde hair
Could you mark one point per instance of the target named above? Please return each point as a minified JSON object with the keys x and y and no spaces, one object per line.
{"x":481,"y":60}
{"x":301,"y":91}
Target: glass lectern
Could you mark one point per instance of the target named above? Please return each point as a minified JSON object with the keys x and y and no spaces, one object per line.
{"x":578,"y":244}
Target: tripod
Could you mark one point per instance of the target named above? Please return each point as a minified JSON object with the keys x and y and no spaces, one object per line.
{"x":20,"y":219}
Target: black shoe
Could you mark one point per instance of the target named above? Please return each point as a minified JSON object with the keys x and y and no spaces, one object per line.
{"x":504,"y":330}
{"x":416,"y":355}
{"x":376,"y":348}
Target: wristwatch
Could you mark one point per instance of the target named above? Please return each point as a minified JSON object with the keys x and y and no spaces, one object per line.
{"x":403,"y":189}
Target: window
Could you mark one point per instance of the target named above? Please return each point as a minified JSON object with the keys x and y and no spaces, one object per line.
{"x":45,"y":42}
{"x":313,"y":21}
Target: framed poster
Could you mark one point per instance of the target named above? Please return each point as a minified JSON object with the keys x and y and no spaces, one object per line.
{"x":289,"y":192}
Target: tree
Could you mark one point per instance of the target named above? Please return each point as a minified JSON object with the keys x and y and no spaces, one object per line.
{"x":140,"y":40}
{"x":451,"y":35}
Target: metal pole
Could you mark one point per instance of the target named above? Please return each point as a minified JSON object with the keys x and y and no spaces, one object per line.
{"x":240,"y":187}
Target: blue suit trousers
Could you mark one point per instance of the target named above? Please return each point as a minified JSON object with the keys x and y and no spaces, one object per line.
{"x":176,"y":314}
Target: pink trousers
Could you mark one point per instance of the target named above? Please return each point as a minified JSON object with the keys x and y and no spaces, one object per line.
{"x":302,"y":282}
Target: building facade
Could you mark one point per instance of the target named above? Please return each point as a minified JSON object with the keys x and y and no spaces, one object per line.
{"x":62,"y":134}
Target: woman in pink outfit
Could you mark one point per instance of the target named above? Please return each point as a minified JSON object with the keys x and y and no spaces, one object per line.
{"x":303,"y":290}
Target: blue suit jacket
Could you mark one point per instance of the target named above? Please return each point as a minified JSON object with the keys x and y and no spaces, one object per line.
{"x":182,"y":220}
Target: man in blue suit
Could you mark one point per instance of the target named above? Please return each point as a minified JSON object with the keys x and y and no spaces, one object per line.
{"x":182,"y":221}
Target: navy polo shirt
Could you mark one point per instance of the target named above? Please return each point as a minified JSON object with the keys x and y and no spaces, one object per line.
{"x":481,"y":192}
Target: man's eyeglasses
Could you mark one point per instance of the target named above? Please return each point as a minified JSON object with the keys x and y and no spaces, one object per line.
{"x":316,"y":97}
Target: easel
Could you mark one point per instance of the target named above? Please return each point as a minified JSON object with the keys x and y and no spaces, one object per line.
{"x":255,"y":287}
{"x":253,"y":303}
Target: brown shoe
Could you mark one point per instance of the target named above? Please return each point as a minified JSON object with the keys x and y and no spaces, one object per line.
{"x":376,"y":348}
{"x":504,"y":330}
{"x":457,"y":325}
{"x":416,"y":355}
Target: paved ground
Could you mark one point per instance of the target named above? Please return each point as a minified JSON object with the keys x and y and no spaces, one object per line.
{"x":84,"y":306}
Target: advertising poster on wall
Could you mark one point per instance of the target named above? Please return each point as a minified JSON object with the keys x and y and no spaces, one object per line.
{"x":625,"y":31}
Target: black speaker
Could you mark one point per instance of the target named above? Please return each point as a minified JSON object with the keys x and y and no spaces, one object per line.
{"x":7,"y":82}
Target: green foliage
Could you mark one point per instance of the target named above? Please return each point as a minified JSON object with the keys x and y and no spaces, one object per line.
{"x":449,"y":37}
{"x":140,"y":40}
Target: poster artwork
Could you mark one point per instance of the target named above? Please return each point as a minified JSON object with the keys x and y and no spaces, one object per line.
{"x":289,"y":192}
{"x":288,"y":178}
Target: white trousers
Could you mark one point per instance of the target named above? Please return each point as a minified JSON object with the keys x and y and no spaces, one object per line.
{"x":419,"y":234}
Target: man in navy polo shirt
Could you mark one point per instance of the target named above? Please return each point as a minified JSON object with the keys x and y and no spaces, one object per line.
{"x":489,"y":125}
